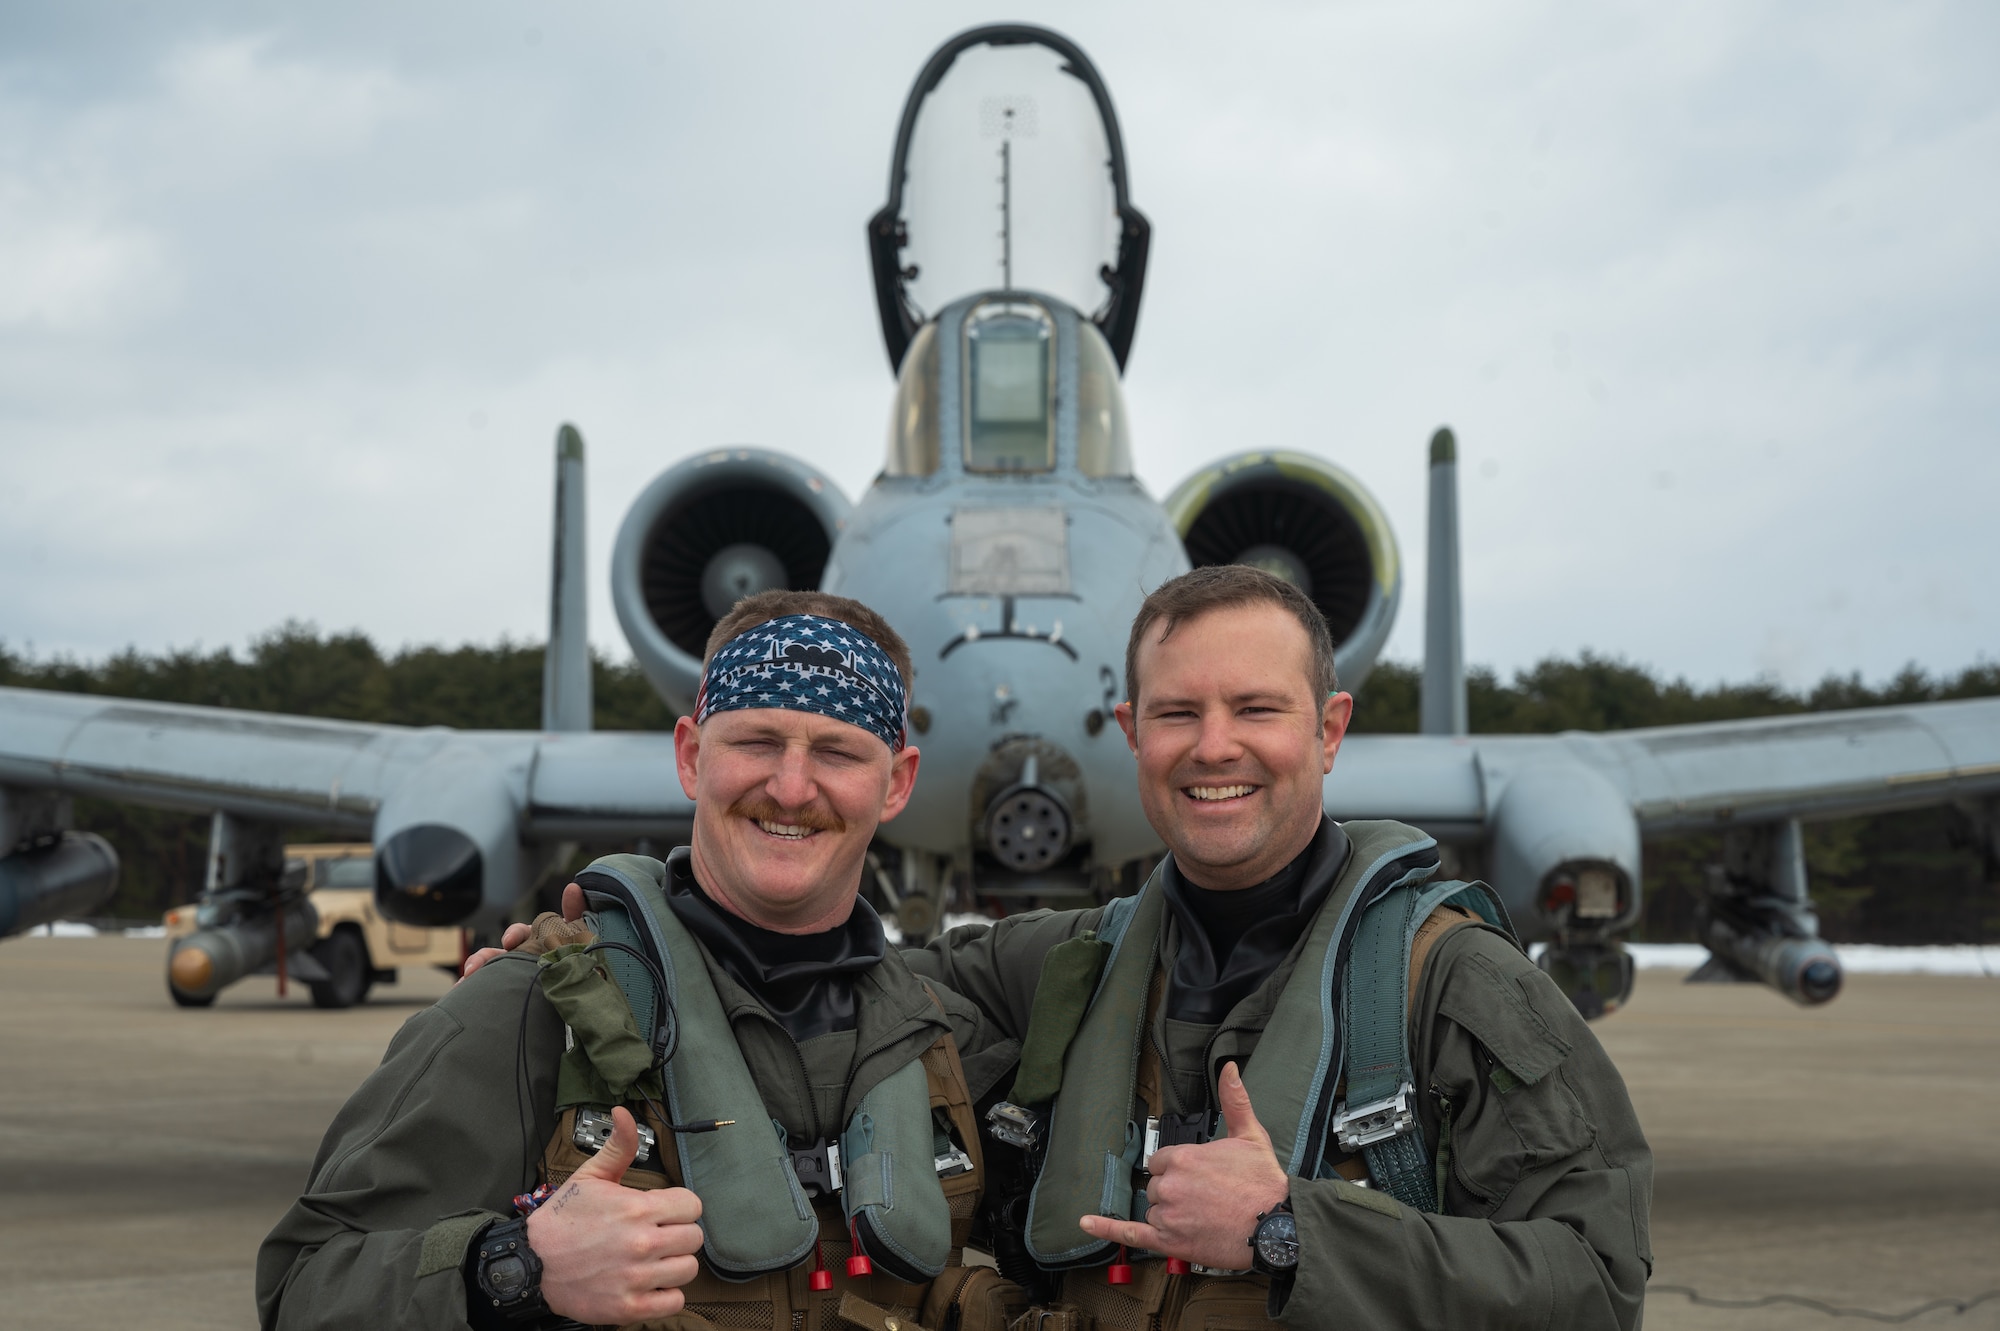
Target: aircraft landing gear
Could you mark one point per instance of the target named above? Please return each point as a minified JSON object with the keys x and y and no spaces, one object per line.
{"x":920,"y":897}
{"x":1595,"y":977}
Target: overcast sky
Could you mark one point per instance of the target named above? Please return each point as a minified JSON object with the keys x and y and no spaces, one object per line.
{"x":292,"y":299}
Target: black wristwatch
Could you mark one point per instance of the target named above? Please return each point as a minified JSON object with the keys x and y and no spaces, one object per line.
{"x":1274,"y":1248}
{"x":508,"y":1276}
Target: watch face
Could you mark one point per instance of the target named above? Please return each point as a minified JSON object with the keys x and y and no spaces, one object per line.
{"x":506,"y":1276}
{"x":1278,"y":1241}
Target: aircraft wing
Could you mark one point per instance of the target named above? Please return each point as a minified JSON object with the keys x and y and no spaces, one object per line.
{"x":1825,"y":764}
{"x":1556,"y":822}
{"x":330,"y":774}
{"x":1684,"y":778}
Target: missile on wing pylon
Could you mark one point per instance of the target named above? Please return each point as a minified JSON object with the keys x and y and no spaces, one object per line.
{"x":1762,"y":946}
{"x":1755,"y":917}
{"x":71,"y":875}
{"x":239,"y":937}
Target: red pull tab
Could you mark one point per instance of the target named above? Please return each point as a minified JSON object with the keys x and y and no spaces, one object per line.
{"x":1177,"y":1266}
{"x":858,"y":1264}
{"x":821,"y":1279}
{"x":1120,"y":1271}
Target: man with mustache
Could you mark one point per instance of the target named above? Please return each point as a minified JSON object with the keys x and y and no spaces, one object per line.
{"x":1506,"y":1184}
{"x":808,"y":1139}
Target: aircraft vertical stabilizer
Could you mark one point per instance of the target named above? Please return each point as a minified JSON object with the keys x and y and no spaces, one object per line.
{"x":1442,"y":707}
{"x":566,"y":703}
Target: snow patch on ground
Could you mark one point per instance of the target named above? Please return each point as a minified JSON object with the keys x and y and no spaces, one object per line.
{"x":1855,"y":958}
{"x":78,"y":929}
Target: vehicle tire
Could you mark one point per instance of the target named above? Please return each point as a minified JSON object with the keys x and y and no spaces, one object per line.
{"x":345,"y":957}
{"x":184,"y":999}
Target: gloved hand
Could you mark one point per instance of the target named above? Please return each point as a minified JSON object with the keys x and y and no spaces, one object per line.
{"x":518,"y":935}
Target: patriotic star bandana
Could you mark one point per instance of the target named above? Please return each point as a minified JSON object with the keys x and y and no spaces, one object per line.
{"x":805,"y":663}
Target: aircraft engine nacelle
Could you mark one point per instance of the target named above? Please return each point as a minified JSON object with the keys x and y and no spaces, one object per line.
{"x":1310,"y":523}
{"x":1565,"y":852}
{"x":706,"y":533}
{"x":1565,"y":858}
{"x":447,"y":842}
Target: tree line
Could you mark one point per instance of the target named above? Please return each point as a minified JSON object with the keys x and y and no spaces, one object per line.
{"x":1917,"y":877}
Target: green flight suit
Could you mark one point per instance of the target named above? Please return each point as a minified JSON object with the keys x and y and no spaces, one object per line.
{"x":1547,"y":1180}
{"x":436,"y":1143}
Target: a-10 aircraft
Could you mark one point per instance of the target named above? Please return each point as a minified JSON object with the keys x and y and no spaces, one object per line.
{"x":1008,"y":541}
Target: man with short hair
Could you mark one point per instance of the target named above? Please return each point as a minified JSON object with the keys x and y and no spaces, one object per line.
{"x":492,"y":1171}
{"x":1530,"y":1178}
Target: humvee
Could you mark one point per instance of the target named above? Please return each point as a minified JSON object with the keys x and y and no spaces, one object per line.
{"x":355,"y":948}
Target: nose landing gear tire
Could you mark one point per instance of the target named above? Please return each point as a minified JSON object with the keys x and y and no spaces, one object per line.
{"x":917,"y":917}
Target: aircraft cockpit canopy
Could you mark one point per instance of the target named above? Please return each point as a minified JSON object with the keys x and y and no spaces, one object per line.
{"x":1009,"y":376}
{"x":1009,"y":175}
{"x":1008,"y":353}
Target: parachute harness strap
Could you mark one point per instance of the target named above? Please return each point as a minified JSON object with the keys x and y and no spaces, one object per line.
{"x":1378,"y":1119}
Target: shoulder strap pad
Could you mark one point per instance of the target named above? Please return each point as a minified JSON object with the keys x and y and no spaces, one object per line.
{"x":1117,"y":917}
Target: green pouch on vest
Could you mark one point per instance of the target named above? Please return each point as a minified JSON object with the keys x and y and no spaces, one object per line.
{"x":609,"y":1059}
{"x":904,"y":1219}
{"x":1069,"y":979}
{"x":1093,"y":1142}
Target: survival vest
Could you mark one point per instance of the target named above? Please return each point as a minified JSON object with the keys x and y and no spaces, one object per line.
{"x":1330,"y":1076}
{"x":898,"y":1185}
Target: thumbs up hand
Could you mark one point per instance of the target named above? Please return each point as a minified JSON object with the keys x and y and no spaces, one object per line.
{"x":1203,"y":1201}
{"x":613,"y":1255}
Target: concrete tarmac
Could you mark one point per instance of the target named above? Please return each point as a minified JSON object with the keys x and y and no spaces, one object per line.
{"x":1848,"y":1156}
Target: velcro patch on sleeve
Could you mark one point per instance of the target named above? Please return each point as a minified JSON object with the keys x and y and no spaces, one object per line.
{"x":446,"y":1242}
{"x":1368,"y":1198}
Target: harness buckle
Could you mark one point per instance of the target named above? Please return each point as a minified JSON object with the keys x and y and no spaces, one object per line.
{"x":1174,"y":1130}
{"x":592,"y":1133}
{"x":1013,"y":1125}
{"x":818,"y":1167}
{"x":1376,"y":1121}
{"x":953,"y":1163}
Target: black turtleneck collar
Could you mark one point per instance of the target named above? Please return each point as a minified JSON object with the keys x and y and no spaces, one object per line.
{"x":805,"y":981}
{"x":1232,"y":941}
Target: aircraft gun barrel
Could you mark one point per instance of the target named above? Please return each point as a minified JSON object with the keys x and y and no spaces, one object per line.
{"x":211,"y":959}
{"x":72,"y":876}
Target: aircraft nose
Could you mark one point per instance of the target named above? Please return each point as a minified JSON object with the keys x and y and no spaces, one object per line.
{"x":428,"y":875}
